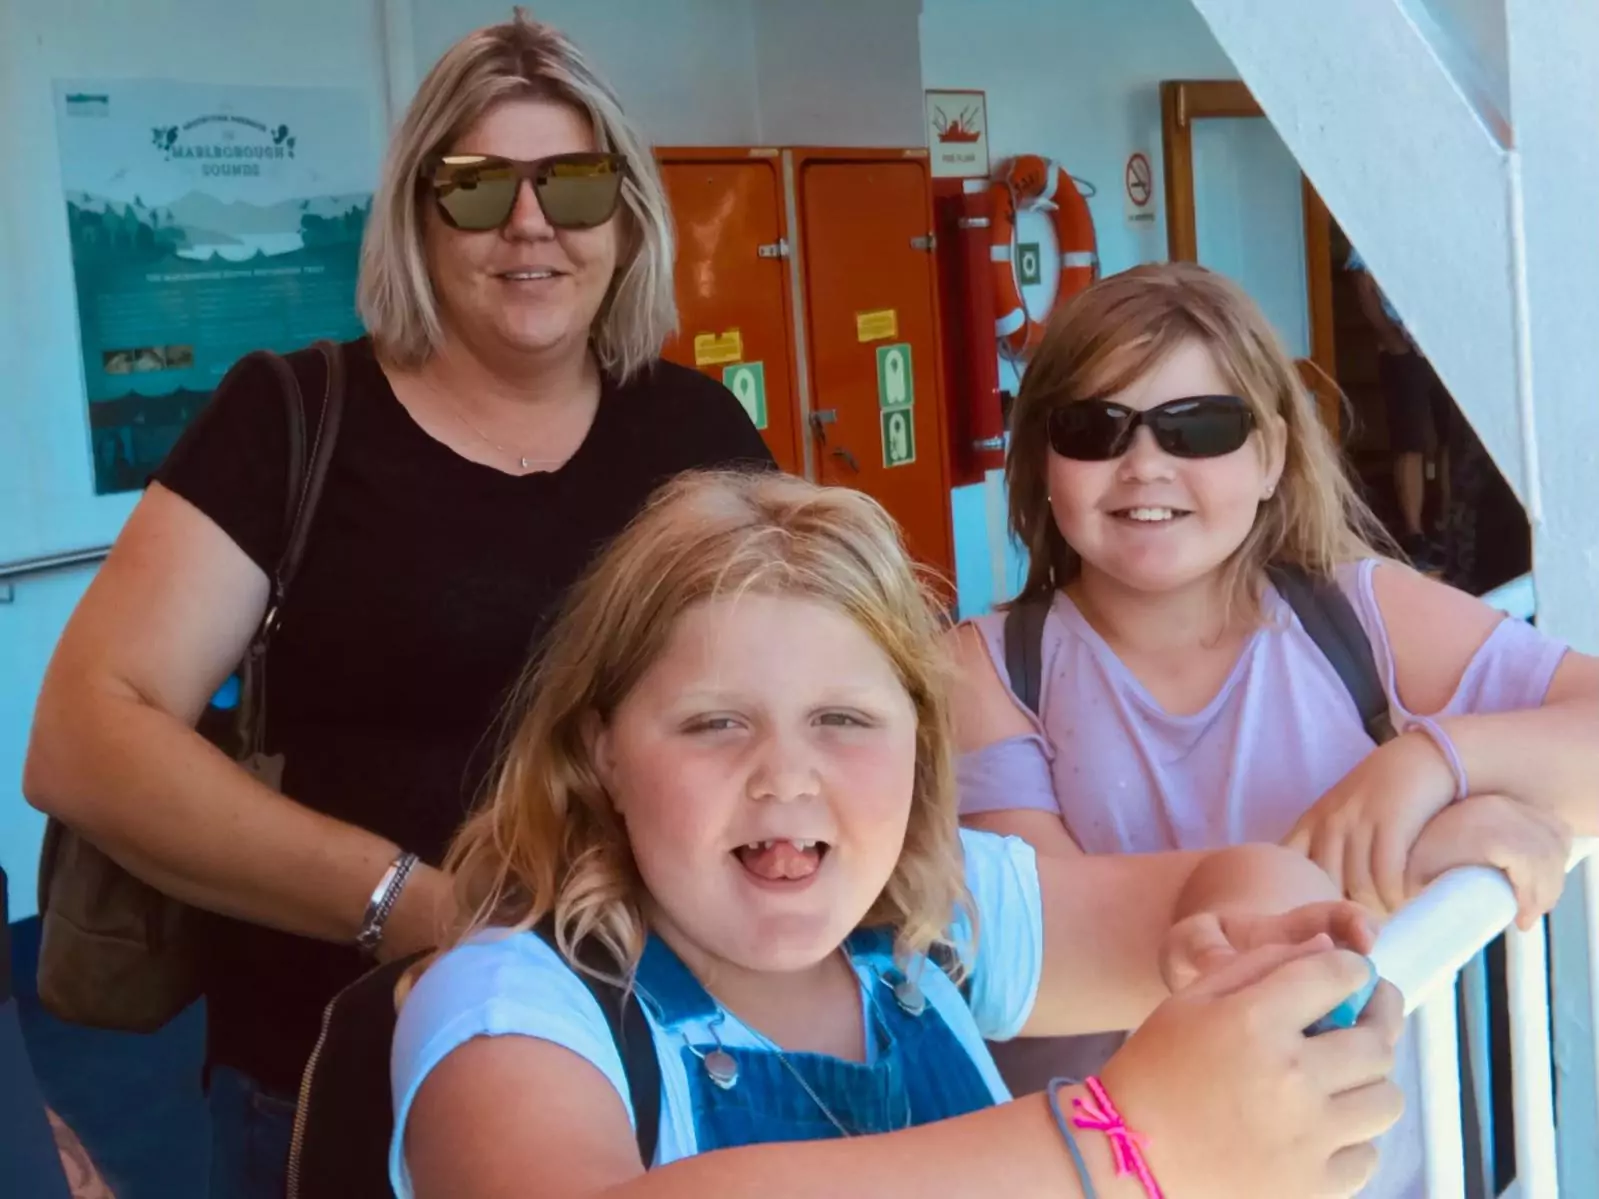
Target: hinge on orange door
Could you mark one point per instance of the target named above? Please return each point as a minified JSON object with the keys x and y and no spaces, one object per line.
{"x":927,"y":243}
{"x":774,"y":249}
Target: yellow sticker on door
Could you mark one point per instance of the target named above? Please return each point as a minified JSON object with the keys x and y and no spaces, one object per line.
{"x":715,"y":349}
{"x":876,"y":326}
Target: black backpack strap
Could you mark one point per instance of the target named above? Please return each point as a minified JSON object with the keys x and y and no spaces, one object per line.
{"x":1330,"y":621}
{"x":943,"y":955}
{"x":1024,"y":649}
{"x":634,"y":1041}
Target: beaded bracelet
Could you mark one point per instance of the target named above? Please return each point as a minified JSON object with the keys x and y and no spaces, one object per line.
{"x":1055,"y":1084}
{"x":1446,"y":746}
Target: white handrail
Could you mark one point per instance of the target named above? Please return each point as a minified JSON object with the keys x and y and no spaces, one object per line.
{"x":1420,"y":951}
{"x":1425,"y":943}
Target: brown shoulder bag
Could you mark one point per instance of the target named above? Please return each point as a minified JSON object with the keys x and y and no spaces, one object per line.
{"x":115,"y":952}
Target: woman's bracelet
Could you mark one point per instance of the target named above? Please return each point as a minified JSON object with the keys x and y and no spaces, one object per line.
{"x":381,"y":905}
{"x":1446,"y":746}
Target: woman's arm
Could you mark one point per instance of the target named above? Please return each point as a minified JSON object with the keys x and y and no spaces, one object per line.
{"x":114,"y":752}
{"x":984,"y":713}
{"x":1546,"y":756}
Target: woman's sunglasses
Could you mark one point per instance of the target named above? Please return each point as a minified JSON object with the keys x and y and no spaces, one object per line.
{"x":1192,"y":427}
{"x":477,"y":192}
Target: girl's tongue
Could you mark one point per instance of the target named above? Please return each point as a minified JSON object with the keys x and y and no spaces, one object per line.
{"x":777,"y":861}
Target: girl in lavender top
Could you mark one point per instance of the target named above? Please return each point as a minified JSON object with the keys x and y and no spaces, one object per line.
{"x":1164,"y":452}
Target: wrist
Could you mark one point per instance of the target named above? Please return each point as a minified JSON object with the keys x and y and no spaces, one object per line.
{"x":1442,"y":749}
{"x":424,"y":916}
{"x":1112,"y":1151}
{"x":380,"y":905}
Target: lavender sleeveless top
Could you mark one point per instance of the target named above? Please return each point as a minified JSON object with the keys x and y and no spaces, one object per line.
{"x":1126,"y":776}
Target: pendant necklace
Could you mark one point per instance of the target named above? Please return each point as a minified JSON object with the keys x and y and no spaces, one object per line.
{"x":721,"y":1067}
{"x":522,"y":460}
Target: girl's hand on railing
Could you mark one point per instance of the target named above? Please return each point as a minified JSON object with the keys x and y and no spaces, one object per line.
{"x":1530,"y":845}
{"x":1235,"y":1101}
{"x":1206,"y":942}
{"x":1362,"y":829}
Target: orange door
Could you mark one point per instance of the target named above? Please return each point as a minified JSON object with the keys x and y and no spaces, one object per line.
{"x":733,"y":298}
{"x":876,"y":406}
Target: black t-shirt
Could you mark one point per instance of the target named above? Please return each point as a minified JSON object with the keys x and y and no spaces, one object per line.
{"x":425,"y":583}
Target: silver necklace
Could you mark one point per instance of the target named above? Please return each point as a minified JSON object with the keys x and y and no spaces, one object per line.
{"x":522,"y":460}
{"x":721,"y":1067}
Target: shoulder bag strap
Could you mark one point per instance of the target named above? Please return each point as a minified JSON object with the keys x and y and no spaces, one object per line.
{"x":1024,"y":649}
{"x":305,"y":481}
{"x":1330,"y":621}
{"x":313,"y":479}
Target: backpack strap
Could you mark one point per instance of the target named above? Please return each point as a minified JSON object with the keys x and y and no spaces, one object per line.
{"x":1024,"y":649}
{"x":1329,"y":619}
{"x":634,"y":1041}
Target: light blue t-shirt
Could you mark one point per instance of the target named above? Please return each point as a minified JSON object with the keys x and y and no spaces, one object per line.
{"x":517,"y":985}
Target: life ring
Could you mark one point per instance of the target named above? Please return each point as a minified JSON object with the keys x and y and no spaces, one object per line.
{"x":1033,"y":182}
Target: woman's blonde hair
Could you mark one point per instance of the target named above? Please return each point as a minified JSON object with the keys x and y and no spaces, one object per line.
{"x":1112,"y":334}
{"x":549,"y":842}
{"x":520,"y":59}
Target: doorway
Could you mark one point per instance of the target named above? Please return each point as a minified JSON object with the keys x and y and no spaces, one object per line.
{"x":1192,"y":113}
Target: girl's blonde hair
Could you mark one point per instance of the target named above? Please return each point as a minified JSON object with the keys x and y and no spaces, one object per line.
{"x":1112,"y":334}
{"x":549,"y":843}
{"x":518,"y":60}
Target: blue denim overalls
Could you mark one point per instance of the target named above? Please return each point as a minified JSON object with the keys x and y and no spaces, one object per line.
{"x":917,"y":1071}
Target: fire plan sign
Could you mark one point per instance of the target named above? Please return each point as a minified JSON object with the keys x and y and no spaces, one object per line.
{"x":957,"y":134}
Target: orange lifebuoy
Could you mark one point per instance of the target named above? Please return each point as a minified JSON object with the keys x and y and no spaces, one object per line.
{"x":1034,"y":182}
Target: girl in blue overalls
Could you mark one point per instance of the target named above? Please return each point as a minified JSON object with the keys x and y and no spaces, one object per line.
{"x":732,"y":774}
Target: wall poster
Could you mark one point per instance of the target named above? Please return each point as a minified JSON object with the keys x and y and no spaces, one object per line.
{"x":206,"y":221}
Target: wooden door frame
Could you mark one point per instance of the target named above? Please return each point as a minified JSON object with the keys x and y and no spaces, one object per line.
{"x":1184,"y":101}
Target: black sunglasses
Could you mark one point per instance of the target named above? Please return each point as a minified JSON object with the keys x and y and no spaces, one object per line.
{"x":477,"y":192}
{"x":1191,"y":427}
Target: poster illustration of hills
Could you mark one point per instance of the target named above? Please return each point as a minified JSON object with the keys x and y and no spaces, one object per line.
{"x":206,"y":221}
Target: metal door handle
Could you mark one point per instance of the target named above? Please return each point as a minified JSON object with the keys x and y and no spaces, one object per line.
{"x":820,"y":419}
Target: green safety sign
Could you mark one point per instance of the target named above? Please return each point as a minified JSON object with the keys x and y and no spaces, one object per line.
{"x":1029,"y":263}
{"x":747,"y":381}
{"x":899,"y":436}
{"x":895,"y":386}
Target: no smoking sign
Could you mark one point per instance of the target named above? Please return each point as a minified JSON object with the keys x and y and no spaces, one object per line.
{"x":1139,"y":188}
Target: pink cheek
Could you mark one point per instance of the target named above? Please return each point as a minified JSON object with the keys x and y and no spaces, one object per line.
{"x":881,"y":781}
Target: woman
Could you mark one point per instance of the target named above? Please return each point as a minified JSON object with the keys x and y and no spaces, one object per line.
{"x":1165,"y":452}
{"x":505,"y":417}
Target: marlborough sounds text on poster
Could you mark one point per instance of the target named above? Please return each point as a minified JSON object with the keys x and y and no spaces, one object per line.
{"x":206,"y":222}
